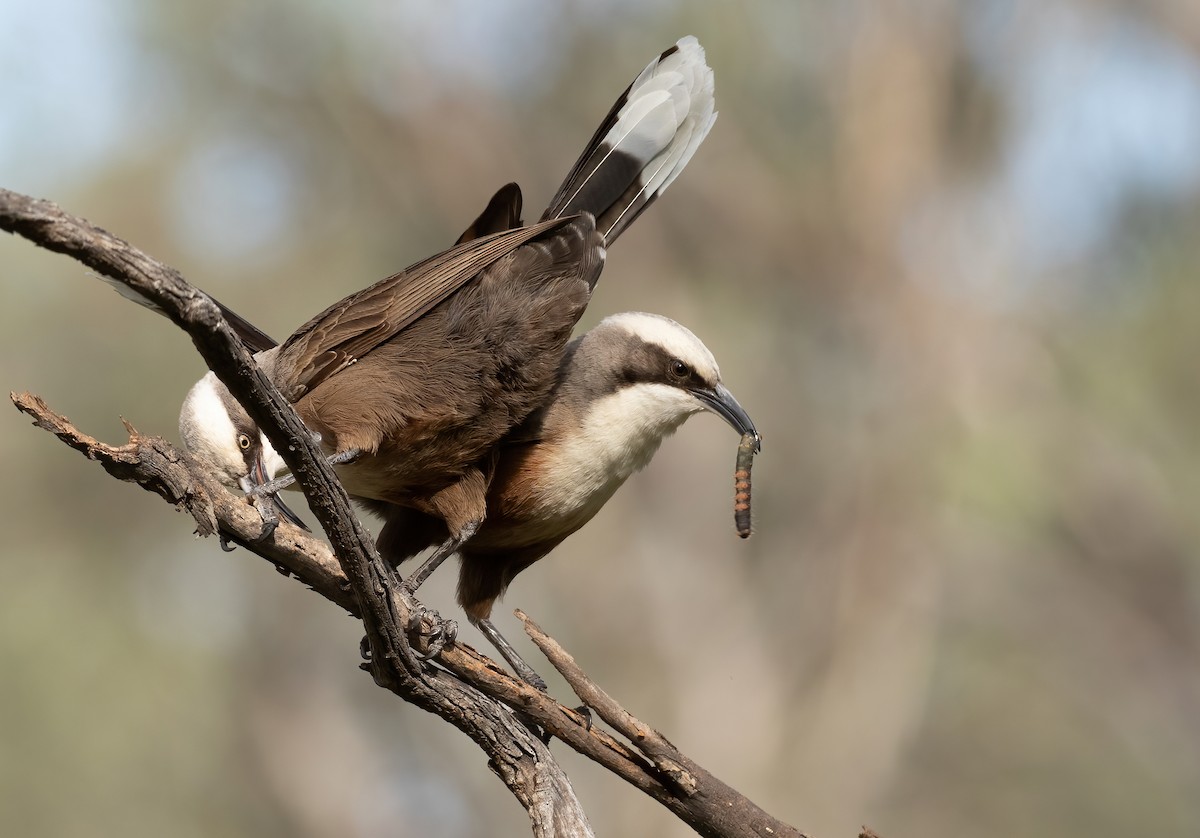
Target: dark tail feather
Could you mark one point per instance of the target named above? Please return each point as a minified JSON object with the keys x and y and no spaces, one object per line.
{"x":503,"y":213}
{"x":643,"y":144}
{"x":255,"y":339}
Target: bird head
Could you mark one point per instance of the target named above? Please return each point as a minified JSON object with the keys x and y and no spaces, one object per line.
{"x":217,"y":432}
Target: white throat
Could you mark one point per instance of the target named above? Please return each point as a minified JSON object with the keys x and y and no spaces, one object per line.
{"x":618,"y":436}
{"x":272,"y":462}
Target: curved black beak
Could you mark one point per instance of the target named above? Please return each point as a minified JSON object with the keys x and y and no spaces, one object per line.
{"x":721,"y":402}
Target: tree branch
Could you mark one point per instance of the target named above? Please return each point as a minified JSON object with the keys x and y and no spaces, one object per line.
{"x":471,"y":692}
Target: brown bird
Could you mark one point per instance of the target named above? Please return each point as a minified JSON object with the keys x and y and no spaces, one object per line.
{"x":621,"y":389}
{"x":412,"y":382}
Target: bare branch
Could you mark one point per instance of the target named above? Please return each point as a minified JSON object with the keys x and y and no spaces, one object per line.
{"x":518,"y":757}
{"x":472,"y":692}
{"x":729,"y":811}
{"x":155,"y":465}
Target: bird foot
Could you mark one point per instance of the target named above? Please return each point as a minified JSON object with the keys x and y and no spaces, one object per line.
{"x":270,"y":517}
{"x":545,"y":735}
{"x":526,"y":674}
{"x":274,"y":487}
{"x":586,"y":712}
{"x":443,"y":633}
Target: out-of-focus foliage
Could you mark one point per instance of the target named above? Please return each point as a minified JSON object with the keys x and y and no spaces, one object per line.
{"x":947,"y":256}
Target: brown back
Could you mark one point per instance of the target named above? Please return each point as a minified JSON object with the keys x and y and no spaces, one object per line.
{"x":438,"y":394}
{"x":352,"y":328}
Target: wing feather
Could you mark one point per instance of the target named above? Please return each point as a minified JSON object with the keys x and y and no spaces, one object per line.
{"x":354,"y":326}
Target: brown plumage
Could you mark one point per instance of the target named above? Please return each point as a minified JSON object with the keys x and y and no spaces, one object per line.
{"x":412,"y":382}
{"x":429,"y":403}
{"x":421,"y":374}
{"x":557,"y":469}
{"x":620,"y":390}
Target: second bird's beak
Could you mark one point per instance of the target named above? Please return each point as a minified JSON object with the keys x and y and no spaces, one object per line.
{"x":721,"y":402}
{"x":259,"y":477}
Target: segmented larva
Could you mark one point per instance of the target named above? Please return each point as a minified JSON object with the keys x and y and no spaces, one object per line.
{"x":747,"y":448}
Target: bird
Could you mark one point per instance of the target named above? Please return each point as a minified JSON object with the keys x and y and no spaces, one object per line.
{"x":410,"y":384}
{"x":622,"y":387}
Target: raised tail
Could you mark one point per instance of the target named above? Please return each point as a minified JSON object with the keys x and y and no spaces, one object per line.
{"x":650,"y":134}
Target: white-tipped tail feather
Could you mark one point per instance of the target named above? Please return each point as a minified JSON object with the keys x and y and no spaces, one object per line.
{"x":641,"y":147}
{"x":683,"y":78}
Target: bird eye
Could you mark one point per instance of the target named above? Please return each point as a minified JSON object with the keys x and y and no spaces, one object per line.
{"x":243,"y":442}
{"x":679,"y":369}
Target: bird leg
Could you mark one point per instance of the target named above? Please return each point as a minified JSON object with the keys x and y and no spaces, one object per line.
{"x":444,"y":631}
{"x":524,"y":671}
{"x":461,"y":505}
{"x":445,"y":551}
{"x":272,"y":487}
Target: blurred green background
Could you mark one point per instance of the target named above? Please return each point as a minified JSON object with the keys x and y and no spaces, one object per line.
{"x":947,"y":255}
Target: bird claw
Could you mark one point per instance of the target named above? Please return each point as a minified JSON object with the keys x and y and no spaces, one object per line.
{"x":583,"y":710}
{"x":440,"y":640}
{"x":270,"y":518}
{"x":443,"y":633}
{"x":227,"y":546}
{"x":531,"y":678}
{"x":586,"y":712}
{"x":418,"y":613}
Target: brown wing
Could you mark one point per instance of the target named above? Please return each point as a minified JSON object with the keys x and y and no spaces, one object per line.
{"x":349,"y":329}
{"x":438,"y":396}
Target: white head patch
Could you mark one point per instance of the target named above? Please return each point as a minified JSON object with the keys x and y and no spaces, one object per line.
{"x":677,"y":340}
{"x":207,"y":431}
